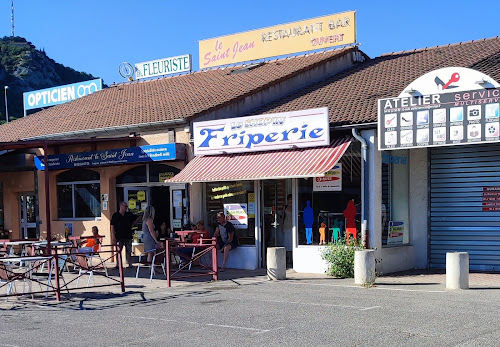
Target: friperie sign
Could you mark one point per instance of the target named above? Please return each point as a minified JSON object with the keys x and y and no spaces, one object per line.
{"x":316,"y":33}
{"x":60,"y":95}
{"x":164,"y":66}
{"x":306,"y":128}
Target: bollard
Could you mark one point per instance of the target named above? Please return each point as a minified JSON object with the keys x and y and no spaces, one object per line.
{"x":364,"y":266}
{"x":276,"y":263}
{"x":457,"y":270}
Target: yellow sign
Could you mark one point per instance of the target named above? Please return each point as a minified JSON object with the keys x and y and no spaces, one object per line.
{"x":316,"y":33}
{"x":132,"y":204}
{"x":162,"y":176}
{"x":141,"y":195}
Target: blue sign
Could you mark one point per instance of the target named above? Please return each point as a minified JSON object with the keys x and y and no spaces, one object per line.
{"x":60,"y":95}
{"x":169,"y":151}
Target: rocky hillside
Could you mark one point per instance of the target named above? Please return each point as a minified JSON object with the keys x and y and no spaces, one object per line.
{"x":24,"y":68}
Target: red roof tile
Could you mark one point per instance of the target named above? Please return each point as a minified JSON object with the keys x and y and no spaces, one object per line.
{"x":163,"y":99}
{"x":352,"y":95}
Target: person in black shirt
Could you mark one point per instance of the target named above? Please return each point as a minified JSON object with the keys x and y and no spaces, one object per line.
{"x":121,"y":229}
{"x":226,"y":237}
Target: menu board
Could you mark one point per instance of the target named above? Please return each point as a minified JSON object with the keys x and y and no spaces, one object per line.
{"x":439,"y":120}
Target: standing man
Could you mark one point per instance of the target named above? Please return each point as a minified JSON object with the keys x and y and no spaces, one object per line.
{"x":121,"y":229}
{"x":226,"y":237}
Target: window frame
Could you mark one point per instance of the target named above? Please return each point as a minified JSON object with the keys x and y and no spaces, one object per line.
{"x":73,"y":205}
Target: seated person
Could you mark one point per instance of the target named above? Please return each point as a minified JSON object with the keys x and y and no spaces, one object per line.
{"x":163,"y":233}
{"x":226,"y":237}
{"x":202,"y":232}
{"x":94,"y":241}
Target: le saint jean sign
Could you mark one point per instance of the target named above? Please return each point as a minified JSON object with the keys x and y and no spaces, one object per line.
{"x":306,"y":128}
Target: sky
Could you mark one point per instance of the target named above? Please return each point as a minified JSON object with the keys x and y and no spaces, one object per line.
{"x":96,"y":36}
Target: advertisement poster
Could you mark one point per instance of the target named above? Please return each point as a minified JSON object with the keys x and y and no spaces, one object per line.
{"x":251,"y":205}
{"x":237,"y":215}
{"x":396,"y":233}
{"x":68,"y":230}
{"x":332,"y":181}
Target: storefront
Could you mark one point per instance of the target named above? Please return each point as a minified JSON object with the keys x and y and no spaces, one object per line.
{"x":453,"y":129}
{"x":277,"y":177}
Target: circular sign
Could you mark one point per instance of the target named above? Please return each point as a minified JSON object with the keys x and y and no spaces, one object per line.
{"x":126,"y":70}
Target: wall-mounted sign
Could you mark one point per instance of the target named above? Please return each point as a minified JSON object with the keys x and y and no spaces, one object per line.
{"x":165,"y":66}
{"x":315,"y":33}
{"x":169,"y":151}
{"x":162,"y":176}
{"x":60,"y":95}
{"x":332,"y":181}
{"x":306,"y":128}
{"x":491,"y":199}
{"x":456,"y":118}
{"x":237,"y":215}
{"x":251,"y":205}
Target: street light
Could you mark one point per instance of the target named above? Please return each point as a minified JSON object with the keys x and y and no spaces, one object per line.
{"x":6,"y":108}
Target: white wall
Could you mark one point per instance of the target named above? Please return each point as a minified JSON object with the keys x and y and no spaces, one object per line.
{"x":243,"y":257}
{"x":414,"y":255}
{"x":308,"y":259}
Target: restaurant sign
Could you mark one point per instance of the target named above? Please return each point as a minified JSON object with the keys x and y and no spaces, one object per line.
{"x":61,"y":94}
{"x":297,"y":129}
{"x":169,"y":151}
{"x":315,"y":33}
{"x":164,"y":66}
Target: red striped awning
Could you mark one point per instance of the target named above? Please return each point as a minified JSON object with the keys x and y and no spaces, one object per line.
{"x":290,"y":163}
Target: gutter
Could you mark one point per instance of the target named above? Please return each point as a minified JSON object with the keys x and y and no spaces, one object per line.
{"x":128,"y":129}
{"x":364,"y":187}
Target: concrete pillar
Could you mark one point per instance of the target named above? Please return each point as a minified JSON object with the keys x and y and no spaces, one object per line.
{"x":364,"y":266}
{"x":457,"y":270}
{"x":276,"y":263}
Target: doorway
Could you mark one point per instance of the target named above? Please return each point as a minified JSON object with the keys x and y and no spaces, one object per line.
{"x":269,"y":217}
{"x":27,"y":214}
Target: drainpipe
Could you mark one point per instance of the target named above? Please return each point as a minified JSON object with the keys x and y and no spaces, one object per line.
{"x":364,"y":187}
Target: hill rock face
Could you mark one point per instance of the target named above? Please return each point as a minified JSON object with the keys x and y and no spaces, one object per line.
{"x":24,"y":68}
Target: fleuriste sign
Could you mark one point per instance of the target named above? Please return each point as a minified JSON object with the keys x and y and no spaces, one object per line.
{"x":164,"y":66}
{"x":60,"y":95}
{"x":315,"y":33}
{"x":305,"y":128}
{"x":169,"y":151}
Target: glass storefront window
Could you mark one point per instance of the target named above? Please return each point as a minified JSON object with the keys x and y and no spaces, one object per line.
{"x":236,"y":199}
{"x":78,"y":194}
{"x":1,"y":207}
{"x":324,"y":199}
{"x":395,"y":191}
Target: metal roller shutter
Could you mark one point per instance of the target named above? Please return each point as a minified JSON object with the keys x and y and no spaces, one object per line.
{"x":462,"y":179}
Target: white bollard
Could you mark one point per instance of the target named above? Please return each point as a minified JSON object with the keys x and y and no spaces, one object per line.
{"x":364,"y":266}
{"x":457,"y":270}
{"x":276,"y":263}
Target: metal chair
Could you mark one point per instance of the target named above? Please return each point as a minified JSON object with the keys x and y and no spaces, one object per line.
{"x":158,"y":260}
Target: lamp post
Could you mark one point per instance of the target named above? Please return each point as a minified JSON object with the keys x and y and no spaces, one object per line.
{"x":6,"y":108}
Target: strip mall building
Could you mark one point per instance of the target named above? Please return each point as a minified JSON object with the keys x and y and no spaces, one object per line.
{"x":139,"y":142}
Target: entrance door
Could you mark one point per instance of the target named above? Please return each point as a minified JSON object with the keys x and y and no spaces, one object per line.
{"x":269,"y":217}
{"x":27,"y":213}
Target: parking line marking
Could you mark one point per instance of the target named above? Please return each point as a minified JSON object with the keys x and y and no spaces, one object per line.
{"x":206,"y":324}
{"x":360,"y":287}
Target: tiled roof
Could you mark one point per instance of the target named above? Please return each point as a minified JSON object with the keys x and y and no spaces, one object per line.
{"x":162,"y":99}
{"x":352,"y":95}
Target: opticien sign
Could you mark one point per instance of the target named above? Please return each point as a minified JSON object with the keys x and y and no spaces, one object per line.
{"x":307,"y":128}
{"x":61,"y":94}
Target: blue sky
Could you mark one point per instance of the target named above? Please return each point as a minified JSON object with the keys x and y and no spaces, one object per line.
{"x":95,"y":36}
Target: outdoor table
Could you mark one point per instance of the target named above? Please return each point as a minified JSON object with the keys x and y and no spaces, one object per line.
{"x":185,"y":233}
{"x":206,"y":246}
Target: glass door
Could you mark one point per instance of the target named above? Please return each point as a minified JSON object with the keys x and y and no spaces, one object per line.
{"x":137,"y":198}
{"x":269,"y":217}
{"x":27,"y":213}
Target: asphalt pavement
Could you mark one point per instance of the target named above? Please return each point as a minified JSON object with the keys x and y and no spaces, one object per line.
{"x":244,"y":308}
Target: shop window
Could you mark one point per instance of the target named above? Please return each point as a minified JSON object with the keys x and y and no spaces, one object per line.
{"x":161,"y":172}
{"x":78,"y":194}
{"x":324,"y":199}
{"x":134,"y":175}
{"x":395,"y":190}
{"x":238,"y":197}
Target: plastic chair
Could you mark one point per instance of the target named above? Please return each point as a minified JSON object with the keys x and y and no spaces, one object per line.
{"x":158,"y":260}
